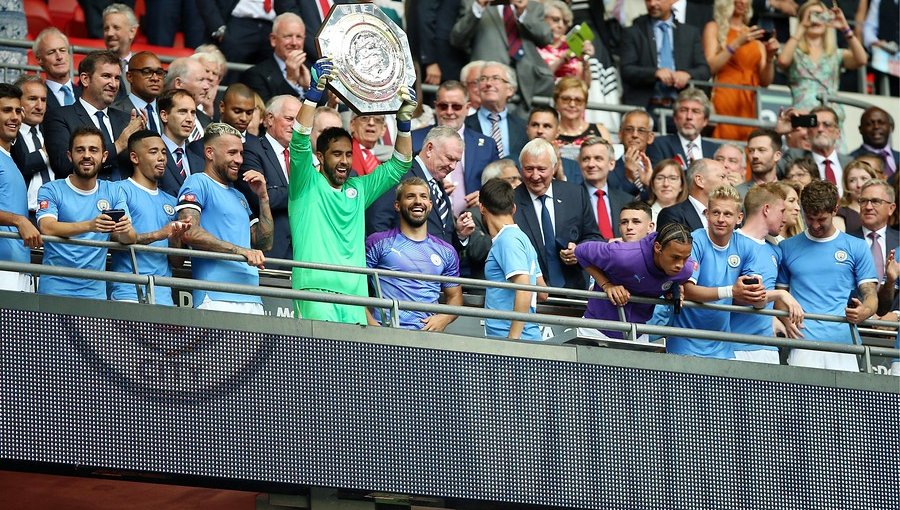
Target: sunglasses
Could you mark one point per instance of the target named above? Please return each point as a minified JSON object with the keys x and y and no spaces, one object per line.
{"x":446,"y":106}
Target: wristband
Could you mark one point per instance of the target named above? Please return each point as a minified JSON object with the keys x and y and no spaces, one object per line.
{"x":730,"y":49}
{"x":848,"y":32}
{"x":725,"y":291}
{"x":313,"y":95}
{"x":404,"y":126}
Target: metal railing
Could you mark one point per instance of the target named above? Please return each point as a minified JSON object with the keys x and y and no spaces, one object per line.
{"x":631,"y":330}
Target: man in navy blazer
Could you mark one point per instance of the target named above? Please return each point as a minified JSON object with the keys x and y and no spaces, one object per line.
{"x":876,"y":126}
{"x":568,"y":208}
{"x":450,"y":108}
{"x":647,"y":82}
{"x":692,"y":110}
{"x":28,"y":150}
{"x":99,"y":73}
{"x":176,"y":114}
{"x":267,"y":154}
{"x":704,"y":175}
{"x":597,"y":159}
{"x":269,"y":78}
{"x":443,"y":148}
{"x":51,"y":50}
{"x":497,"y":84}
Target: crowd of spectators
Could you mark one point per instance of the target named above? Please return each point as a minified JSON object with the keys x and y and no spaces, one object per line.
{"x":479,"y":179}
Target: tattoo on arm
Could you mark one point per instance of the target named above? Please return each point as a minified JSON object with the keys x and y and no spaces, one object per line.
{"x":262,"y":235}
{"x":198,"y":237}
{"x":869,"y":291}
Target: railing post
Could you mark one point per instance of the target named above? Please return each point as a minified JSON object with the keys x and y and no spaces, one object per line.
{"x":395,"y":313}
{"x":384,"y":319}
{"x":151,"y":289}
{"x":134,"y":266}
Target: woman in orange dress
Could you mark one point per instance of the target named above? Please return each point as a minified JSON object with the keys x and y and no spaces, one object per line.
{"x":737,"y":56}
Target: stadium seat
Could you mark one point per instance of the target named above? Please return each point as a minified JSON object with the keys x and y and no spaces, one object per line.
{"x":38,"y":17}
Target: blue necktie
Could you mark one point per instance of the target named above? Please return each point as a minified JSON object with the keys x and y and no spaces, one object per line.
{"x":666,"y":54}
{"x":554,"y":266}
{"x":68,"y":97}
{"x":151,"y":123}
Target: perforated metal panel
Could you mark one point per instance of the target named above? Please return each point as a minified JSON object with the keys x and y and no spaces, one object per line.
{"x":225,"y":404}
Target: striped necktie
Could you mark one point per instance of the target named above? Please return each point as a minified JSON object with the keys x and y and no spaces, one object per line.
{"x":440,"y":201}
{"x":495,"y":132}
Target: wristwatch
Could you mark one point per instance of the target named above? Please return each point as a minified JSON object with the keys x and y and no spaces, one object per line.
{"x":219,"y":33}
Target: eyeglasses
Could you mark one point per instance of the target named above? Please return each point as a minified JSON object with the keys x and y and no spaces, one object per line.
{"x":631,"y":130}
{"x":493,"y":79}
{"x":571,"y":99}
{"x":664,"y":178}
{"x":147,"y":72}
{"x":828,"y":124}
{"x":876,"y":202}
{"x":446,"y":106}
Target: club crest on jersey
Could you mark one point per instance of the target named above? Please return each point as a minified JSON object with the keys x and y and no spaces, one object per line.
{"x":435,"y":259}
{"x":168,"y":209}
{"x":188,"y":197}
{"x":840,"y":255}
{"x":734,"y":261}
{"x":243,"y":204}
{"x":667,"y":285}
{"x":351,"y":192}
{"x":103,"y":204}
{"x":45,"y":204}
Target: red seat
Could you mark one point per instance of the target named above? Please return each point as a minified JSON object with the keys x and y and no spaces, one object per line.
{"x":38,"y":17}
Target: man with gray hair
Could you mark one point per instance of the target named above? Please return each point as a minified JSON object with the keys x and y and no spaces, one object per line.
{"x":703,"y":176}
{"x":285,"y":72}
{"x":51,"y":50}
{"x":119,"y":29}
{"x":732,"y":157}
{"x":555,"y":215}
{"x":269,"y":154}
{"x":496,"y":86}
{"x":442,"y":150}
{"x":692,"y":111}
{"x":221,"y":221}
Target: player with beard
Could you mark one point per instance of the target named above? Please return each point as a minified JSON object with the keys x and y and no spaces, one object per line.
{"x":76,"y":207}
{"x":412,"y":249}
{"x":222,"y":221}
{"x":327,"y":209}
{"x":152,"y":215}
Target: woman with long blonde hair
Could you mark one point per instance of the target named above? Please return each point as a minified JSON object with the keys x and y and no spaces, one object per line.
{"x":812,"y":59}
{"x":737,"y":55}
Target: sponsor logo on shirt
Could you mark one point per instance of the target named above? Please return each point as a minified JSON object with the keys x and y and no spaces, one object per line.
{"x":45,"y":204}
{"x":734,"y":260}
{"x":435,"y":259}
{"x":103,"y":205}
{"x":840,"y":255}
{"x":168,"y":209}
{"x":638,"y":278}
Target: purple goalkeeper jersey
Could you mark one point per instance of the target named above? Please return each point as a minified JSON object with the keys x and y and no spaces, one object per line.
{"x":630,"y":265}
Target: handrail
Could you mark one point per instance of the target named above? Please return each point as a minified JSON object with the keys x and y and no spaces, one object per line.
{"x":825,"y":97}
{"x":586,"y":294}
{"x":448,"y":309}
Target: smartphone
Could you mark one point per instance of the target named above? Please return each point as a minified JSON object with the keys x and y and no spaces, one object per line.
{"x":676,"y":297}
{"x":804,"y":121}
{"x":850,"y":303}
{"x":767,"y":34}
{"x":751,"y":281}
{"x":115,"y":214}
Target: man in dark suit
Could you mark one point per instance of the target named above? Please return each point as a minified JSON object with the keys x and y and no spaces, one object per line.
{"x":285,"y":71}
{"x":692,"y":110}
{"x":659,"y":56}
{"x":876,"y":205}
{"x":543,"y":122}
{"x":633,"y":170}
{"x":176,"y":114}
{"x":269,"y":155}
{"x":481,"y":31}
{"x":146,"y":75}
{"x":242,"y":38}
{"x":823,"y":140}
{"x":442,"y":150}
{"x":51,"y":50}
{"x":497,"y":84}
{"x":876,"y":126}
{"x":119,"y":30}
{"x":99,"y":73}
{"x":704,"y":175}
{"x":428,"y":24}
{"x":28,"y":151}
{"x":555,"y":215}
{"x":190,"y":74}
{"x":312,"y":14}
{"x":236,"y":109}
{"x":450,"y":109}
{"x":597,"y":158}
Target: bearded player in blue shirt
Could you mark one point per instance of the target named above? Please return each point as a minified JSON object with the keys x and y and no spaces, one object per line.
{"x":822,"y":266}
{"x":79,"y":207}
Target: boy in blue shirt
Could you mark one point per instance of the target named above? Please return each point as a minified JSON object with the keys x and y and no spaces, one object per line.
{"x":75,"y":207}
{"x":152,"y":216}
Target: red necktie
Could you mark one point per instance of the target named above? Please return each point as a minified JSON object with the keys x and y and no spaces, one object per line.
{"x":287,"y":162}
{"x":603,"y":216}
{"x":512,"y":32}
{"x":267,"y":6}
{"x":369,"y":160}
{"x":325,"y":7}
{"x":829,"y":173}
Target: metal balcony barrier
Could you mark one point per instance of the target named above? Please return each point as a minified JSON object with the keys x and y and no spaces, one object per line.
{"x":631,"y":330}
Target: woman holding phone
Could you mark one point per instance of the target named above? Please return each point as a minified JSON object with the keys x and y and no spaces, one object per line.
{"x":737,"y":54}
{"x":812,"y":59}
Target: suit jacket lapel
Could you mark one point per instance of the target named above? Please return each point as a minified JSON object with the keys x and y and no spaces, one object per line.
{"x":651,"y":33}
{"x":497,"y":21}
{"x":273,"y":158}
{"x":523,"y":203}
{"x":173,"y":169}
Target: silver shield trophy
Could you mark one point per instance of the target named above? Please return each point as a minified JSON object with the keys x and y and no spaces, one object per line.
{"x":371,"y":57}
